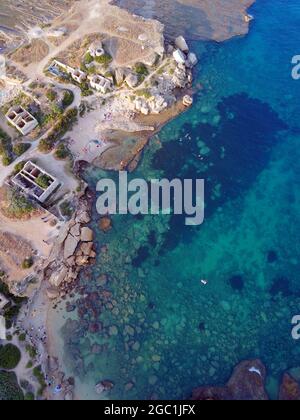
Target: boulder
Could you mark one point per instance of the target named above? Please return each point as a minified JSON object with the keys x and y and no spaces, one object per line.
{"x":70,"y":246}
{"x":104,"y":386}
{"x":145,"y":109}
{"x":192,"y":59}
{"x":86,"y":248}
{"x":69,"y":396}
{"x":71,"y":261}
{"x":52,"y":293}
{"x":151,"y":60}
{"x":119,"y":74}
{"x":105,"y":224}
{"x":87,"y":235}
{"x":59,"y":276}
{"x":132,"y":80}
{"x":83,"y":218}
{"x":181,"y":44}
{"x":246,"y":384}
{"x":82,"y":261}
{"x":289,"y":389}
{"x":93,"y":254}
{"x":179,"y":57}
{"x":187,"y":100}
{"x":75,"y":230}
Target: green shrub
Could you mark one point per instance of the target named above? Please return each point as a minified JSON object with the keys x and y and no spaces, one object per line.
{"x":92,"y":70}
{"x":37,"y":372}
{"x":68,"y":98}
{"x":7,"y":159}
{"x":27,"y":263}
{"x":11,"y":312}
{"x":22,"y":337}
{"x":144,"y":92}
{"x":141,"y":69}
{"x":18,"y":206}
{"x":105,"y":59}
{"x":19,"y":166}
{"x":20,"y":148}
{"x":29,"y":396}
{"x":51,"y":95}
{"x":63,"y":124}
{"x":4,"y":137}
{"x":88,"y":59}
{"x":10,"y":356}
{"x":66,"y":209}
{"x":85,"y":89}
{"x":29,"y":365}
{"x":61,"y":152}
{"x":9,"y":387}
{"x":43,"y":181}
{"x":45,"y":146}
{"x":31,"y":351}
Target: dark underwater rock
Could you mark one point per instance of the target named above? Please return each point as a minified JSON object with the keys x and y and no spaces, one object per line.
{"x":246,"y":384}
{"x":272,"y":257}
{"x":237,"y":282}
{"x":105,"y":224}
{"x":289,"y":389}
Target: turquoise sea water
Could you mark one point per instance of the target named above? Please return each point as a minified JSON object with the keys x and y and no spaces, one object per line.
{"x":146,"y":322}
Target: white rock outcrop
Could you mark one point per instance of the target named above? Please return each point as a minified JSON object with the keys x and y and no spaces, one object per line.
{"x":132,"y":80}
{"x":192,"y":60}
{"x":181,"y":43}
{"x":70,"y":246}
{"x":179,"y":57}
{"x":58,"y":277}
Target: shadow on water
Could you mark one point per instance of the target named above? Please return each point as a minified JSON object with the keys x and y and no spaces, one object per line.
{"x":240,"y":148}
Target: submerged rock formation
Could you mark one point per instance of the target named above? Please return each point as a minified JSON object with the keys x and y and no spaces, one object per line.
{"x":247,"y":383}
{"x":216,"y":20}
{"x":289,"y":389}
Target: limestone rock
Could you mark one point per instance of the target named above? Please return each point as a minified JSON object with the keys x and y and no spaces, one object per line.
{"x":82,"y":261}
{"x":187,"y":100}
{"x":151,"y":60}
{"x":181,"y":43}
{"x":75,"y":230}
{"x":179,"y":57}
{"x":180,"y":77}
{"x":86,"y":248}
{"x":70,"y":246}
{"x":132,"y":80}
{"x":87,"y":235}
{"x":52,"y":293}
{"x":58,"y":277}
{"x":192,"y":59}
{"x":145,"y":109}
{"x":71,"y":261}
{"x":119,"y":74}
{"x":83,"y":218}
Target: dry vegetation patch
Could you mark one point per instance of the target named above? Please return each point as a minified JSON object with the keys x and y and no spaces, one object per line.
{"x":31,"y":53}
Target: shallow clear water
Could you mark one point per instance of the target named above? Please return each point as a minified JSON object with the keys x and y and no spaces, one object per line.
{"x":170,"y":333}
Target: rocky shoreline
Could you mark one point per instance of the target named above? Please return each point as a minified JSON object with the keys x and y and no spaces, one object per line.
{"x":73,"y":251}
